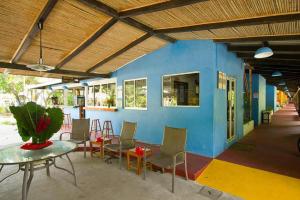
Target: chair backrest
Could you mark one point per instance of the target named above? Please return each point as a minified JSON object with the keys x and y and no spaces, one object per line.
{"x":80,"y":129}
{"x":174,"y":141}
{"x":128,"y":132}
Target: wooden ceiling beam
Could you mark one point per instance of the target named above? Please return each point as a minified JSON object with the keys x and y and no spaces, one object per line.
{"x":259,"y":38}
{"x":55,"y":71}
{"x":275,"y":56}
{"x":283,"y":63}
{"x":87,"y":42}
{"x":253,"y":48}
{"x":234,"y":23}
{"x":129,"y":46}
{"x":157,"y":7}
{"x":27,"y":40}
{"x":113,"y":13}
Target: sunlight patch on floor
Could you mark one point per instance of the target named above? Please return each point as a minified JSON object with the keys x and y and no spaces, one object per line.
{"x":249,"y":183}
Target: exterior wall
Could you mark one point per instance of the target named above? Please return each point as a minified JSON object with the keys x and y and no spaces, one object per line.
{"x":229,"y":63}
{"x":206,"y":129}
{"x":271,"y":97}
{"x":259,"y":97}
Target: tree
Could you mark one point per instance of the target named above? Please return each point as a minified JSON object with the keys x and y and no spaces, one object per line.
{"x":14,"y":84}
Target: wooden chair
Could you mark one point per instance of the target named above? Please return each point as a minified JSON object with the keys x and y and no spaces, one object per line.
{"x":126,"y":141}
{"x":79,"y":133}
{"x":172,"y":152}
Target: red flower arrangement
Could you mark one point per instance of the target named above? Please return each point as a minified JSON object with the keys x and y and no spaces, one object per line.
{"x":139,"y":151}
{"x":37,"y":123}
{"x":99,"y":139}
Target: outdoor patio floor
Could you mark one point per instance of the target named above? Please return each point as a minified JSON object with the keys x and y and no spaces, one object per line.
{"x":98,"y":180}
{"x":262,"y":165}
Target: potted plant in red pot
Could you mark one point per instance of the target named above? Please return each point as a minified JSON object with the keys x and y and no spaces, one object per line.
{"x":37,"y":123}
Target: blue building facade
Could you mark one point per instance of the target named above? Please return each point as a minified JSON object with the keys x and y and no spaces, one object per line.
{"x":207,"y":123}
{"x":259,"y":97}
{"x":271,"y":97}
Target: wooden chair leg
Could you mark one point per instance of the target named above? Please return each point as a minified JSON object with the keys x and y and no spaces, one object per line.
{"x":173,"y":178}
{"x":84,"y":149}
{"x":185,"y":167}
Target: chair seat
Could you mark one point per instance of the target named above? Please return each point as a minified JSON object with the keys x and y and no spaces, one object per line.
{"x":164,"y":161}
{"x":77,"y":141}
{"x":116,"y":147}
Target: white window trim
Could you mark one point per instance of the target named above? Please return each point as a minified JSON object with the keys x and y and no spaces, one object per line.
{"x":162,"y":90}
{"x":124,"y":99}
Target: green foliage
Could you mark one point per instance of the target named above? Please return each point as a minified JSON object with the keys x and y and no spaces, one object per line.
{"x":28,"y":115}
{"x":4,"y":110}
{"x":12,"y":84}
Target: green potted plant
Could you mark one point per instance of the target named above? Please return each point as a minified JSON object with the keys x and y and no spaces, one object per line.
{"x":36,"y":122}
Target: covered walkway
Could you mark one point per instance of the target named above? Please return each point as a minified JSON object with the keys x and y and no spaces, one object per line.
{"x":264,"y":164}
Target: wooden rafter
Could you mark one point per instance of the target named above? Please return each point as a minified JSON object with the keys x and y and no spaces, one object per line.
{"x":274,"y":57}
{"x":33,"y":31}
{"x":113,"y":13}
{"x":273,"y":62}
{"x":129,"y":46}
{"x":157,"y":7}
{"x":87,"y":42}
{"x":253,"y":48}
{"x":55,"y":71}
{"x":234,"y":23}
{"x":259,"y":38}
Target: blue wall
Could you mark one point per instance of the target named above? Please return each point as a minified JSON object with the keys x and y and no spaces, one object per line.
{"x":229,"y":63}
{"x":206,"y":124}
{"x":259,"y":97}
{"x":271,"y":97}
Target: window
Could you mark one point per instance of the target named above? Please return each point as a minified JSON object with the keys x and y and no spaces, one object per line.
{"x":102,"y":95}
{"x":70,"y":98}
{"x":57,"y":97}
{"x":91,"y":96}
{"x":181,"y":89}
{"x":105,"y":95}
{"x":135,"y":92}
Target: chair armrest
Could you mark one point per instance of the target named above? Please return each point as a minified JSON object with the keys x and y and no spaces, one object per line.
{"x":177,"y":154}
{"x":60,"y":136}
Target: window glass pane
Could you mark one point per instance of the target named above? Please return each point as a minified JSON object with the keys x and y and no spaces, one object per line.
{"x":90,"y":98}
{"x":111,"y":93}
{"x":98,"y":95}
{"x":181,"y":90}
{"x":129,"y":93}
{"x":58,"y":97}
{"x":70,"y":98}
{"x":141,"y":93}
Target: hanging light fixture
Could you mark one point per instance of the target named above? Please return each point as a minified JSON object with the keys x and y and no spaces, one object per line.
{"x":281,"y":83}
{"x":276,"y":74}
{"x":40,"y":66}
{"x":263,"y":52}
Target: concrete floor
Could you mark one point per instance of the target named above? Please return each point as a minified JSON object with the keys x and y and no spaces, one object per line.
{"x":98,"y":180}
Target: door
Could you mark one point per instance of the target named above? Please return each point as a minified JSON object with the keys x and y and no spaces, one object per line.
{"x":231,"y":104}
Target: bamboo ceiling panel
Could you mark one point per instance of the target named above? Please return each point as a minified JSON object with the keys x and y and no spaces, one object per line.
{"x":114,"y":39}
{"x":287,"y":28}
{"x":216,"y":11}
{"x":193,"y":35}
{"x":69,"y":23}
{"x":121,"y":5}
{"x":16,"y":18}
{"x":149,"y":45}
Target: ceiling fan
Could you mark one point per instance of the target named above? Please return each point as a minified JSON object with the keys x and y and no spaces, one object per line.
{"x":40,"y":66}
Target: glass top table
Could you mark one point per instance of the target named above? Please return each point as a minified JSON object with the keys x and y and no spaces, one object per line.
{"x":32,"y":160}
{"x":13,"y":154}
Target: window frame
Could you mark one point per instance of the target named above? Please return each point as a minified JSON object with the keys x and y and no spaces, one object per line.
{"x":176,"y":74}
{"x":124,"y":98}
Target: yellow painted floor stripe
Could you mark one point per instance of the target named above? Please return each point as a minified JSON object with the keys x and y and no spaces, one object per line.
{"x":249,"y":183}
